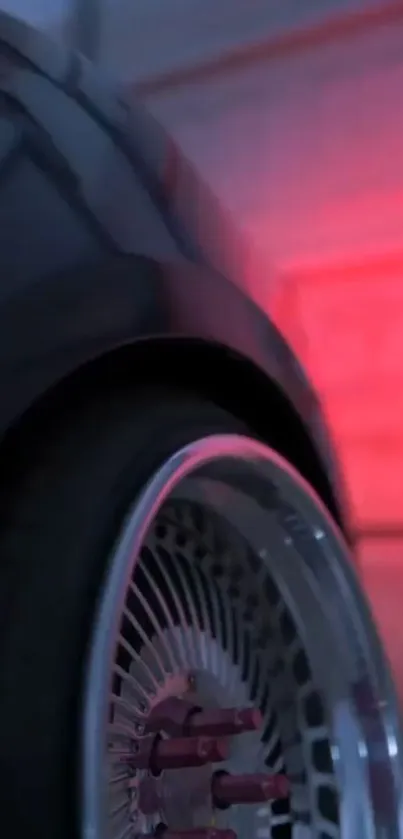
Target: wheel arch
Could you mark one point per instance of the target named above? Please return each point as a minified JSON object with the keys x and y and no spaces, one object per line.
{"x":211,"y":370}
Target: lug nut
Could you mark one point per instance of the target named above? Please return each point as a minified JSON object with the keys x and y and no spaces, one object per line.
{"x":183,"y":719}
{"x":247,"y":789}
{"x":181,"y":752}
{"x":223,"y":722}
{"x":171,"y":716}
{"x":189,"y":751}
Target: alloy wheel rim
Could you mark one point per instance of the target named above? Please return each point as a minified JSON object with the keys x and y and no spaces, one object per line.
{"x":344,"y":780}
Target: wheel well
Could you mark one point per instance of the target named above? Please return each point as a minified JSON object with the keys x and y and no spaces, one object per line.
{"x":230,"y":381}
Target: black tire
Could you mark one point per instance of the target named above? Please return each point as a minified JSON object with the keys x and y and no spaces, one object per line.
{"x":62,"y":516}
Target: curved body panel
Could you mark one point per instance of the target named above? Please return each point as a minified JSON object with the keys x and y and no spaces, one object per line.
{"x":107,"y":210}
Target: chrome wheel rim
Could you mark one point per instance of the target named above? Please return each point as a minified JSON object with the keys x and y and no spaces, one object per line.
{"x":330,"y":717}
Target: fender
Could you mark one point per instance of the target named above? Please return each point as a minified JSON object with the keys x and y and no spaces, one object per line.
{"x":108,"y":237}
{"x":55,"y":326}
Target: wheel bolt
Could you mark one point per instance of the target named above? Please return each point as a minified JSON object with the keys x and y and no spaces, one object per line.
{"x":171,"y":716}
{"x":181,"y":718}
{"x":189,"y":751}
{"x":223,"y":722}
{"x":247,"y":789}
{"x":179,"y":752}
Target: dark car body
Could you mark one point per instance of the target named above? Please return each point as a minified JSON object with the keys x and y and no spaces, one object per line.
{"x":110,"y":246}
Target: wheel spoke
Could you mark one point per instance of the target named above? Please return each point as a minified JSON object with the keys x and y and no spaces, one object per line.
{"x":227,"y":667}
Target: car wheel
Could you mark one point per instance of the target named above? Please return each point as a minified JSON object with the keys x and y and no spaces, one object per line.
{"x":184,"y":648}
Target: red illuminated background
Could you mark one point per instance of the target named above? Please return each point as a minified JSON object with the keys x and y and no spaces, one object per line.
{"x":350,"y":334}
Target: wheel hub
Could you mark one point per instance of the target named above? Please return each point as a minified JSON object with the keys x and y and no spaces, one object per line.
{"x":190,"y":742}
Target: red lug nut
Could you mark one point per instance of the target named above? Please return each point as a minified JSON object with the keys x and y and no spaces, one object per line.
{"x":188,"y":751}
{"x":181,"y":718}
{"x":247,"y":789}
{"x":178,"y":753}
{"x":223,"y":722}
{"x":171,"y":716}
